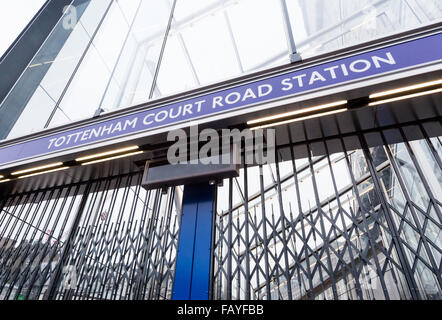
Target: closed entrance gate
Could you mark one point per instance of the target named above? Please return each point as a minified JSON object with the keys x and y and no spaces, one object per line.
{"x":360,"y":222}
{"x":355,"y":217}
{"x":109,"y":239}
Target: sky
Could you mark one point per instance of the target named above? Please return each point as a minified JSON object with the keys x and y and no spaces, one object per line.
{"x":14,"y":17}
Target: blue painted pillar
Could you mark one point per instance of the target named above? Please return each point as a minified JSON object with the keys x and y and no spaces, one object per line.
{"x":192,"y":274}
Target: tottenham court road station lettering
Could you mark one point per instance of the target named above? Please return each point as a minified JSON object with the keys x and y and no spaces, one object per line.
{"x":393,"y":58}
{"x":247,"y":96}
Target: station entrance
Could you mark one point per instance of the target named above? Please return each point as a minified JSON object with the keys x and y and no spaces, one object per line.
{"x":357,"y":216}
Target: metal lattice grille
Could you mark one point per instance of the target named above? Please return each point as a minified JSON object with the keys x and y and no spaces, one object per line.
{"x":362,"y":223}
{"x":108,"y":239}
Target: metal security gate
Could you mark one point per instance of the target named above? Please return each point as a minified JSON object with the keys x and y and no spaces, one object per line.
{"x":107,"y":239}
{"x":360,"y":220}
{"x":355,"y":217}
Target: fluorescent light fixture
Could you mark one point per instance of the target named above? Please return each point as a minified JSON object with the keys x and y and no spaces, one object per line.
{"x":300,"y":119}
{"x":52,"y":165}
{"x":5,"y":180}
{"x":43,"y":172}
{"x":408,"y":96}
{"x":404,"y":89}
{"x":108,"y":153}
{"x":1,"y":177}
{"x":301,"y":111}
{"x":112,"y":158}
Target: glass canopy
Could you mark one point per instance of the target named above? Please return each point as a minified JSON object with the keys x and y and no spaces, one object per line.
{"x":111,"y":54}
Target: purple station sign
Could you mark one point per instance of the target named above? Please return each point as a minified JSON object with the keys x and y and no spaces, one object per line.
{"x":360,"y":66}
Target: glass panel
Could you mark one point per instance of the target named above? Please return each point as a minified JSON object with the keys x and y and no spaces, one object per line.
{"x":210,"y":42}
{"x":120,"y":60}
{"x":205,"y":40}
{"x":136,"y":65}
{"x":437,"y":145}
{"x":429,"y":166}
{"x":410,"y":175}
{"x":121,"y":50}
{"x":50,"y":70}
{"x":38,"y":110}
{"x":82,"y":99}
{"x":392,"y":188}
{"x":59,"y":118}
{"x":320,"y":26}
{"x":259,"y":34}
{"x":175,"y":62}
{"x":62,"y":67}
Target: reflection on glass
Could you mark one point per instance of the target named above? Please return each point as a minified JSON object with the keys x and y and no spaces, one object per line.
{"x":92,"y":65}
{"x":429,"y":166}
{"x":49,"y":71}
{"x":410,"y":175}
{"x":320,"y":26}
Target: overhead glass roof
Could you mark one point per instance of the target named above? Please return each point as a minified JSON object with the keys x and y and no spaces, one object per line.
{"x":111,"y":54}
{"x":323,"y":25}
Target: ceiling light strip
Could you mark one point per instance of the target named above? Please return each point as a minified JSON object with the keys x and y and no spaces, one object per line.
{"x":300,"y":119}
{"x":43,"y":172}
{"x":404,"y":89}
{"x":5,"y":180}
{"x":408,"y":96}
{"x":112,"y":158}
{"x":301,"y":111}
{"x":108,"y":153}
{"x":52,"y":165}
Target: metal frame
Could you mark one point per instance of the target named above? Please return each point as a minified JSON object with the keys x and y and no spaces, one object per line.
{"x":270,"y":246}
{"x":123,"y":240}
{"x":120,"y":239}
